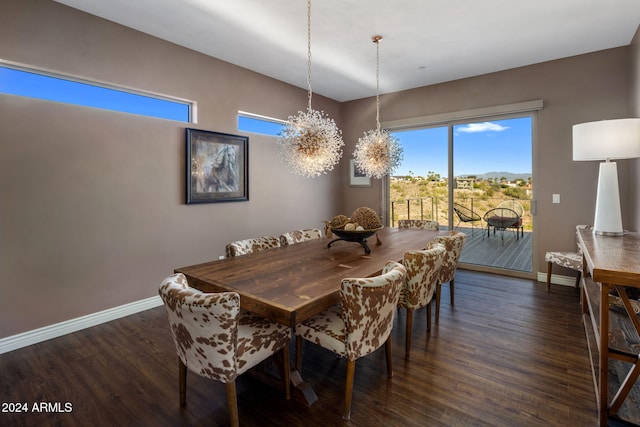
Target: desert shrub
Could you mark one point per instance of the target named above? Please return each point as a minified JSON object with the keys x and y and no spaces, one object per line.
{"x":515,"y":192}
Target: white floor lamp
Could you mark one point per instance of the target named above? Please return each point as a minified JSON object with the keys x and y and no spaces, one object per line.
{"x":607,"y":140}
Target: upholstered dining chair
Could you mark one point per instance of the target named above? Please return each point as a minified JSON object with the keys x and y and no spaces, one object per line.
{"x":571,"y":260}
{"x":216,"y":339}
{"x":249,"y":246}
{"x":298,"y":236}
{"x":421,"y":224}
{"x":358,"y":325}
{"x":423,"y":270}
{"x":453,"y":244}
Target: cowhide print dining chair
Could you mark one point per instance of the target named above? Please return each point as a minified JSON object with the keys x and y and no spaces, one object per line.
{"x":571,"y":260}
{"x":423,"y":270}
{"x":249,"y":246}
{"x":420,"y":224}
{"x":216,"y":339}
{"x":453,"y":244}
{"x":299,"y":236}
{"x":358,"y":325}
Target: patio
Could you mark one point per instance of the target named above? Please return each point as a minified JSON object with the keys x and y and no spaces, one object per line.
{"x":490,"y":251}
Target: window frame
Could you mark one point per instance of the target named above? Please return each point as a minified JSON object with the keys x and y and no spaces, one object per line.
{"x":191,"y":105}
{"x":261,"y":118}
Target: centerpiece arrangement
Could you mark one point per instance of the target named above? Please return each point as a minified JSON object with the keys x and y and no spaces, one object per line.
{"x":363,"y":223}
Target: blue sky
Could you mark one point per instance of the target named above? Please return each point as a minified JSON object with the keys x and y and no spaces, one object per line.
{"x":33,"y":85}
{"x":480,"y":147}
{"x":489,"y":146}
{"x":497,"y":145}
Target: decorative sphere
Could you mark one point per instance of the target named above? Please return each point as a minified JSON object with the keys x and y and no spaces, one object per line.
{"x":367,"y":218}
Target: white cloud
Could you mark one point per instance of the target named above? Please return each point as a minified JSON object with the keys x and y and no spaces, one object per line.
{"x":482,"y":127}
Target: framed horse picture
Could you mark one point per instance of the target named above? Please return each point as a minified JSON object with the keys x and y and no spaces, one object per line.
{"x":217,"y":167}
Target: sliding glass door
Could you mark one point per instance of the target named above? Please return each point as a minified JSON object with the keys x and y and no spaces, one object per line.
{"x":475,"y":177}
{"x":418,"y":189}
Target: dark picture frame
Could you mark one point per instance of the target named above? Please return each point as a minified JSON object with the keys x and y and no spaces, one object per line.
{"x":356,"y":177}
{"x":217,"y":167}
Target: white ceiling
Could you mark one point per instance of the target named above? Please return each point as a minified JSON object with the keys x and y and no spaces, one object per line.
{"x":425,"y":41}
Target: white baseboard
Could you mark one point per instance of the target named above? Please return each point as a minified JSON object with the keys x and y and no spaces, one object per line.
{"x":557,"y":279}
{"x":35,"y":336}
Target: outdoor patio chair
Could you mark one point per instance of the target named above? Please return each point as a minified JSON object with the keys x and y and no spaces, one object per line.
{"x":465,"y":214}
{"x":517,"y":207}
{"x":502,"y":219}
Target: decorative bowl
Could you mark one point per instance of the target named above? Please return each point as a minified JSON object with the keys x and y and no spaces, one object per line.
{"x":354,"y":236}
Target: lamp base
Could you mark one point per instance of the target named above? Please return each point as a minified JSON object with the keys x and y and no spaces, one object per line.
{"x":608,"y":219}
{"x":609,"y":233}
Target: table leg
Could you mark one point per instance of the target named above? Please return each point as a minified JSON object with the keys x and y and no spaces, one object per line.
{"x":302,"y":391}
{"x":271,"y":373}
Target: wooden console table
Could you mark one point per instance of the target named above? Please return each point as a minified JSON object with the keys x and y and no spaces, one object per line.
{"x":613,"y":334}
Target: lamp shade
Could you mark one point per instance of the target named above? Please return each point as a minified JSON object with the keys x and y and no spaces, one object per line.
{"x":607,"y":139}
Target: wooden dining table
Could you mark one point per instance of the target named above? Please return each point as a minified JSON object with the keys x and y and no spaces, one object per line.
{"x":292,"y":283}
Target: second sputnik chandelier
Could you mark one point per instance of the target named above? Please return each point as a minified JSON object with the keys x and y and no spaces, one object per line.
{"x":377,"y":152}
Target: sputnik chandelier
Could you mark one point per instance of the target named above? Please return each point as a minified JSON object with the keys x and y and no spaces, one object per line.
{"x":377,"y":153}
{"x":310,"y":143}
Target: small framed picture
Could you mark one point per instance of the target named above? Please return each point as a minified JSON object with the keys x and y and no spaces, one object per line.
{"x":356,"y":177}
{"x":217,"y":167}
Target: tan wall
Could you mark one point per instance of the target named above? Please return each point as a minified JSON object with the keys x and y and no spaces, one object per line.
{"x":92,"y":212}
{"x":574,"y":90}
{"x":634,"y":176}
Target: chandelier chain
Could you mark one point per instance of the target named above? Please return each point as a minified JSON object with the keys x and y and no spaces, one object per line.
{"x":309,"y":52}
{"x":377,"y":42}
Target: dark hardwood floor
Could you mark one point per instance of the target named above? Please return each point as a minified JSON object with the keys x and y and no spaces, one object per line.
{"x":507,"y":354}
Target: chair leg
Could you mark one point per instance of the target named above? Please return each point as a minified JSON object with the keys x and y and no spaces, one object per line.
{"x":232,"y":404}
{"x":182,"y":381}
{"x":451,"y":290}
{"x":549,"y":264}
{"x":407,"y":345}
{"x":389,"y":354}
{"x":428,"y":319}
{"x":285,"y":372}
{"x":578,"y":277}
{"x":438,"y":289}
{"x":298,"y":353}
{"x":348,"y":389}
